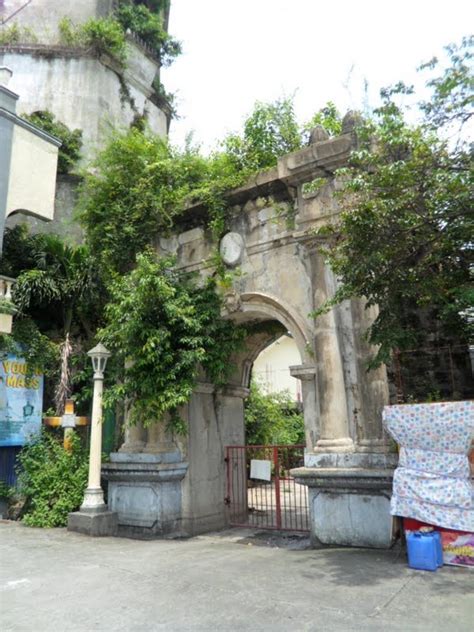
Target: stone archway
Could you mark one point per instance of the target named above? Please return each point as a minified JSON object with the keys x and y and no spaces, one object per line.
{"x":261,"y":308}
{"x":284,"y":278}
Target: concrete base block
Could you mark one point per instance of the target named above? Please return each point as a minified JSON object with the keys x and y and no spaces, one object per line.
{"x":145,"y":491}
{"x":349,"y":507}
{"x":94,"y":523}
{"x":350,"y":519}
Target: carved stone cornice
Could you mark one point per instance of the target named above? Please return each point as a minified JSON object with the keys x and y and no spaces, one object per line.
{"x":303,"y":371}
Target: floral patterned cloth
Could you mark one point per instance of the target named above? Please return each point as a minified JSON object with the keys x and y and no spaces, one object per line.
{"x":432,"y":482}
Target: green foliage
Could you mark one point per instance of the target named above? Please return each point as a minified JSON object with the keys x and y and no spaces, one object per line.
{"x":52,"y":479}
{"x":140,"y":186}
{"x":10,"y":35}
{"x":108,"y":35}
{"x":162,"y":95}
{"x":269,"y":132}
{"x":71,"y":141}
{"x":105,"y":35}
{"x":155,"y":5}
{"x":453,"y":90}
{"x":149,"y":27}
{"x":272,"y":419}
{"x":102,"y":35}
{"x":7,"y":307}
{"x":328,"y":117}
{"x":39,"y":351}
{"x":59,"y":295}
{"x":161,"y":327}
{"x":57,"y":282}
{"x":15,"y":34}
{"x":405,"y":236}
{"x":6,"y":492}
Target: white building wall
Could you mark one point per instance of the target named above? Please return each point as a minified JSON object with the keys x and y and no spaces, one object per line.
{"x":271,"y":369}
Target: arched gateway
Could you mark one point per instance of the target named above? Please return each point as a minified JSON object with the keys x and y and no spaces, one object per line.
{"x":158,"y":484}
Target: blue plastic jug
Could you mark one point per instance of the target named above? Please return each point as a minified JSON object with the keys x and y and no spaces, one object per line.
{"x":439,"y":547}
{"x":424,"y":550}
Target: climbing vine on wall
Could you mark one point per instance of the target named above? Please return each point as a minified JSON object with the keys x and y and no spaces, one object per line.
{"x":161,"y":327}
{"x":71,"y":140}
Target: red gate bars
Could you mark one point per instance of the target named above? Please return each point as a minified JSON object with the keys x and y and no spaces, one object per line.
{"x":270,"y":499}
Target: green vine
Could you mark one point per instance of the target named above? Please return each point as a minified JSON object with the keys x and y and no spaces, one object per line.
{"x":7,"y":307}
{"x":161,"y":327}
{"x":71,"y":141}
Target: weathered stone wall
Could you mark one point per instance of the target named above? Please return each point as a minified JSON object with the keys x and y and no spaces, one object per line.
{"x":43,"y":16}
{"x":84,"y":92}
{"x":64,"y":223}
{"x":282,"y":277}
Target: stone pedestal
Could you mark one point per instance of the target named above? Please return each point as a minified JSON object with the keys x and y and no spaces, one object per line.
{"x":349,"y":498}
{"x":93,"y":522}
{"x":145,"y":491}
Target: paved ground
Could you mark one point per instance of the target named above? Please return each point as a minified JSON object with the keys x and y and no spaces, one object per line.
{"x":55,"y":581}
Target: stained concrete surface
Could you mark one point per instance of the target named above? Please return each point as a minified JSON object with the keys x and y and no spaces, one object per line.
{"x":55,"y":581}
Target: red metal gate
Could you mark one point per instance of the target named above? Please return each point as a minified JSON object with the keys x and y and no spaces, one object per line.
{"x":260,"y":491}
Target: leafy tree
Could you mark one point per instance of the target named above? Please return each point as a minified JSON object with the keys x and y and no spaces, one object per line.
{"x":141,"y":185}
{"x":138,"y":188}
{"x":272,"y":419}
{"x":161,"y":327}
{"x":328,"y":117}
{"x":71,"y":141}
{"x":269,"y":132}
{"x":59,"y":296}
{"x":404,"y":240}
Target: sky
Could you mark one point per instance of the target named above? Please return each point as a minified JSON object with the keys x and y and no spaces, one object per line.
{"x":238,"y":52}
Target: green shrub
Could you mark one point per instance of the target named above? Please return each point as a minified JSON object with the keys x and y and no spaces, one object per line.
{"x":70,"y":150}
{"x":6,"y":492}
{"x":272,"y":419}
{"x":15,"y":34}
{"x":10,"y":35}
{"x":149,"y":27}
{"x":52,"y":480}
{"x":103,"y":35}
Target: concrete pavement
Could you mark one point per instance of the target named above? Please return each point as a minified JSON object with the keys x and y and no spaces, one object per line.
{"x":55,"y":581}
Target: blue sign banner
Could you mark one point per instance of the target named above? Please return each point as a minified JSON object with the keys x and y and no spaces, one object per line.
{"x":21,"y":401}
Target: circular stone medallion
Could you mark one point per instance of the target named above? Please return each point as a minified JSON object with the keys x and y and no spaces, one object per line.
{"x":231,"y":248}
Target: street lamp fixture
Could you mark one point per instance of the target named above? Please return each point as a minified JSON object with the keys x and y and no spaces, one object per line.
{"x":94,"y":517}
{"x":94,"y":496}
{"x":99,"y":356}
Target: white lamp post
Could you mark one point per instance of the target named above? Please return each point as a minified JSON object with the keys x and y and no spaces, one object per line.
{"x":94,"y":496}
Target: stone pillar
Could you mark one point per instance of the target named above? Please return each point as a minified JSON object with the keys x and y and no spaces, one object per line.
{"x":334,"y":422}
{"x":145,"y":482}
{"x":348,"y":484}
{"x":159,"y":439}
{"x":134,"y":433}
{"x":134,"y":438}
{"x":215,"y":421}
{"x":307,"y":374}
{"x":371,"y":387}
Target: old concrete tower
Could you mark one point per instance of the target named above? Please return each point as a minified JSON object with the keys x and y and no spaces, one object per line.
{"x":83,"y":88}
